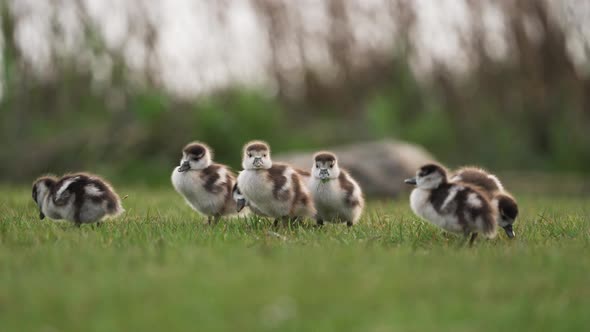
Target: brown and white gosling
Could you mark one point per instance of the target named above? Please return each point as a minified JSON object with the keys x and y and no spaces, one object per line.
{"x":507,"y":208}
{"x":337,"y":196}
{"x":272,"y":189}
{"x":205,"y":186}
{"x":242,"y":202}
{"x":80,"y":197}
{"x":455,"y":207}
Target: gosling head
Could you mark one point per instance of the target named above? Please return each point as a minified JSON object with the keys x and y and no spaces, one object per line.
{"x":195,"y":156}
{"x":429,"y":176}
{"x":256,"y":156}
{"x":238,"y":198}
{"x":41,"y":188}
{"x":325,"y":166}
{"x":508,"y":213}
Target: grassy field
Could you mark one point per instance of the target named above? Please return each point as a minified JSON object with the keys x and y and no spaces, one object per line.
{"x":158,"y":268}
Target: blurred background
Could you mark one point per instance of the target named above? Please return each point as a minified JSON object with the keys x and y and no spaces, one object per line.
{"x":118,"y":87}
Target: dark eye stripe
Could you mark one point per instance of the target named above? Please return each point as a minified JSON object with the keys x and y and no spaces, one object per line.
{"x":424,"y":173}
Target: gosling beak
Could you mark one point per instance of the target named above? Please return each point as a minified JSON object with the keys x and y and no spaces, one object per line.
{"x":184,"y":167}
{"x":41,"y":215}
{"x":509,"y":231}
{"x":411,"y":181}
{"x":324,"y":174}
{"x":257,"y":162}
{"x":241,"y":203}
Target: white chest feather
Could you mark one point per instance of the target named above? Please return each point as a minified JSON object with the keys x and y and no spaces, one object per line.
{"x":260,"y":192}
{"x":192,"y":187}
{"x":332,"y":202}
{"x":420,"y":204}
{"x":328,"y":197}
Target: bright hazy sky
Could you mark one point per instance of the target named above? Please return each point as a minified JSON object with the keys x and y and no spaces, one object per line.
{"x":198,"y":52}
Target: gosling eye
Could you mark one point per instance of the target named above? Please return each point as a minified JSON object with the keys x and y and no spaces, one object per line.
{"x":264,"y":155}
{"x":249,"y":155}
{"x":331,"y":166}
{"x":317,"y":166}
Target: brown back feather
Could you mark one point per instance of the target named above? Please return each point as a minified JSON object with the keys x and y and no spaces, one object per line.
{"x":479,"y":178}
{"x":78,"y":186}
{"x":348,"y":187}
{"x":210,"y":175}
{"x":276,"y":174}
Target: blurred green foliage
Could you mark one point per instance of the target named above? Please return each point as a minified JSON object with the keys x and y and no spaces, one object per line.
{"x":77,"y":129}
{"x":479,"y":129}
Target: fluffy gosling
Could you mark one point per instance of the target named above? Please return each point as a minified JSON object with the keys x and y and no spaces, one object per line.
{"x":455,"y":207}
{"x":272,"y":189}
{"x":503,"y":201}
{"x":205,"y":186}
{"x":337,"y":196}
{"x":80,"y":197}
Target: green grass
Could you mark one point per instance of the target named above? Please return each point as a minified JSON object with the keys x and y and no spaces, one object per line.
{"x":158,"y":268}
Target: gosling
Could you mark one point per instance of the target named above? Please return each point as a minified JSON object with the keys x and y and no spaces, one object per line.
{"x":503,"y":201}
{"x":455,"y":207}
{"x":337,"y":196}
{"x":272,"y":189}
{"x":81,"y":198}
{"x":205,"y":186}
{"x":241,"y":201}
